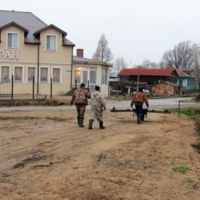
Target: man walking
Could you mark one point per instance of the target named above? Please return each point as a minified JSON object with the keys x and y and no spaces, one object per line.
{"x":97,"y":106}
{"x":80,"y":96}
{"x":139,"y":98}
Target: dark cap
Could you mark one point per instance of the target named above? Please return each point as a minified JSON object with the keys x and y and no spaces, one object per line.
{"x":140,"y":89}
{"x":97,"y":87}
{"x":82,"y":85}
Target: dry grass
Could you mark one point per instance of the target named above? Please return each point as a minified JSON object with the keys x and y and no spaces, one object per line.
{"x":189,"y":101}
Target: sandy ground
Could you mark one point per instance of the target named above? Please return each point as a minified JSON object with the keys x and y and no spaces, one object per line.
{"x":50,"y":157}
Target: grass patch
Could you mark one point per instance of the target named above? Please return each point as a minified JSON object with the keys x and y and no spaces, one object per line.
{"x":27,"y":118}
{"x":42,"y":102}
{"x":37,"y":102}
{"x":190,"y":180}
{"x":17,"y":118}
{"x":190,"y":113}
{"x":100,"y":157}
{"x":194,"y":186}
{"x":25,"y":103}
{"x":189,"y":101}
{"x":181,"y":169}
{"x":18,"y":103}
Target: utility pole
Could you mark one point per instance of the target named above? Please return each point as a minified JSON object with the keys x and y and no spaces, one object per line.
{"x":138,"y":79}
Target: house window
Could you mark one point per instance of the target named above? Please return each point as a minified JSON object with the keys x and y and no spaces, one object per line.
{"x":18,"y":74}
{"x":92,"y":75}
{"x":104,"y":77}
{"x":31,"y":73}
{"x":5,"y":73}
{"x":56,"y":75}
{"x":50,"y":43}
{"x":85,"y":77}
{"x":12,"y":40}
{"x":77,"y":76}
{"x":85,"y":74}
{"x":44,"y":75}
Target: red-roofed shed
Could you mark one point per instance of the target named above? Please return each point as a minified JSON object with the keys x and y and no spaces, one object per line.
{"x":151,"y":76}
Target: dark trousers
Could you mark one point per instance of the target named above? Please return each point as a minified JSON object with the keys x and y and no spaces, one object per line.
{"x":139,"y":110}
{"x":80,"y":110}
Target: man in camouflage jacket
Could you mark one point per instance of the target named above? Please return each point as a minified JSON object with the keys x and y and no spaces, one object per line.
{"x":80,"y":96}
{"x":97,"y":106}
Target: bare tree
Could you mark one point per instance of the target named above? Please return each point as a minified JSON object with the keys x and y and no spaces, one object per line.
{"x":149,"y":65}
{"x":146,"y":64}
{"x":119,"y":64}
{"x":161,"y":65}
{"x":103,"y":53}
{"x":180,"y":57}
{"x":196,"y":65}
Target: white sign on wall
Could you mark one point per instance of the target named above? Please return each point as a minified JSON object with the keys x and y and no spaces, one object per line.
{"x":9,"y":54}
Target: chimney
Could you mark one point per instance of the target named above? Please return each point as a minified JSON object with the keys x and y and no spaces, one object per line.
{"x":79,"y":53}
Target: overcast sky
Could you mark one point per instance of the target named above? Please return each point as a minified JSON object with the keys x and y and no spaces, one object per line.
{"x":135,"y":29}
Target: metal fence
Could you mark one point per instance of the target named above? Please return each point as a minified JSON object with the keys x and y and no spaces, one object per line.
{"x":6,"y":88}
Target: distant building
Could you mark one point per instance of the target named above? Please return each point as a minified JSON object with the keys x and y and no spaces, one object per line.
{"x":113,"y":81}
{"x":90,"y":71}
{"x":113,"y":77}
{"x":149,"y":76}
{"x":31,"y":48}
{"x":186,"y":79}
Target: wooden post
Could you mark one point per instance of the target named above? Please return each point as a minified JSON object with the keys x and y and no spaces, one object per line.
{"x":108,"y":89}
{"x":75,"y":84}
{"x":51,"y":89}
{"x":33,"y":87}
{"x":12,"y":87}
{"x":179,"y":106}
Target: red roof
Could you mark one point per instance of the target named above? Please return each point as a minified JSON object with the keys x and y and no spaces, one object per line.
{"x":147,"y":72}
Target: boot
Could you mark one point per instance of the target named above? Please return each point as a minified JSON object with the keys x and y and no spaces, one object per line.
{"x":101,"y":125}
{"x":139,"y":121}
{"x":81,"y":122}
{"x":78,"y":119}
{"x":90,"y":123}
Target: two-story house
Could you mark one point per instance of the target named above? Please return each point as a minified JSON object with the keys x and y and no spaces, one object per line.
{"x":30,"y":48}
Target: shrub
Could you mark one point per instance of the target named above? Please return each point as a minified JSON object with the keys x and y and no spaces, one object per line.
{"x":25,"y":103}
{"x":18,"y":103}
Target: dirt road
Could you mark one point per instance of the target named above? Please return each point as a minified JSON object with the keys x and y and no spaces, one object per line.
{"x":47,"y":156}
{"x":119,"y":104}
